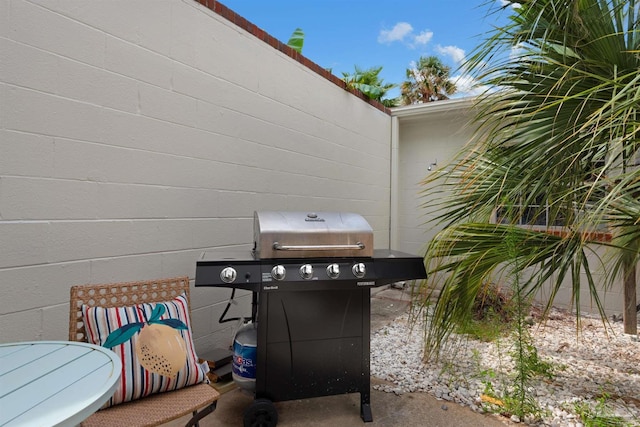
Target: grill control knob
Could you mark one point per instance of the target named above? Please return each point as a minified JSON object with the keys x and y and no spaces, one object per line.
{"x":228,"y":275}
{"x":359,"y":270}
{"x":278,"y":272}
{"x":306,"y":271}
{"x":333,"y":271}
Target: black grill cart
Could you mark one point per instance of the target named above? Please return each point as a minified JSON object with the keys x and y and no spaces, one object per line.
{"x":312,"y":305}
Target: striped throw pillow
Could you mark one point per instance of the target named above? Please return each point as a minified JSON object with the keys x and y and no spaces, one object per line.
{"x":154,"y":343}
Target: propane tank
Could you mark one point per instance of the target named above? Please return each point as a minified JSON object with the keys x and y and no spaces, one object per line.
{"x":245,"y":357}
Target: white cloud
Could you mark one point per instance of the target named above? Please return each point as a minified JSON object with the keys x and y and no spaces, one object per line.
{"x":513,"y":4}
{"x":517,"y":51}
{"x":423,"y":38}
{"x":397,"y":33}
{"x":403,"y":32}
{"x":452,"y":52}
{"x":465,"y":85}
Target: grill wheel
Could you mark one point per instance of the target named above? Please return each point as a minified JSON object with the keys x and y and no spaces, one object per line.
{"x":261,"y":413}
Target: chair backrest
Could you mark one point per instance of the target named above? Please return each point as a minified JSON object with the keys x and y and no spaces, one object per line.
{"x":119,"y":295}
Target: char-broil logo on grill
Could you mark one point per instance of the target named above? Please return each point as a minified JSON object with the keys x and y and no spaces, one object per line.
{"x":312,"y":217}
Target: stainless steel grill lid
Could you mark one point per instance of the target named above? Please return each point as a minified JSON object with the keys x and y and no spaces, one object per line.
{"x":311,"y":234}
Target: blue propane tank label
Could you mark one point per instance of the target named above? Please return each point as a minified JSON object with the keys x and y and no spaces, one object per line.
{"x":244,"y":360}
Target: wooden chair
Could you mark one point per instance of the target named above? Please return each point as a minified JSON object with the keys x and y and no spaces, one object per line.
{"x":158,"y":408}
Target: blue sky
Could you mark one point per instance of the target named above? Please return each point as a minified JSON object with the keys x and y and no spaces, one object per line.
{"x":340,"y":34}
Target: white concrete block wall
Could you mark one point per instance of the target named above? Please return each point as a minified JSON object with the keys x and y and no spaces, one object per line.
{"x":431,"y":132}
{"x":612,"y":299}
{"x":136,"y":134}
{"x":431,"y":137}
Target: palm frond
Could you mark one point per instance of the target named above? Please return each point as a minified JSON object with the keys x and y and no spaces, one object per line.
{"x":557,"y":139}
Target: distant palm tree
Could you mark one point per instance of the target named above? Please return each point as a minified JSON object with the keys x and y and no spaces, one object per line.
{"x":370,"y":84}
{"x":429,"y":81}
{"x":557,"y":148}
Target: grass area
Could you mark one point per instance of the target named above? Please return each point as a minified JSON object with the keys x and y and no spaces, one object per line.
{"x":492,"y":315}
{"x":599,"y":416}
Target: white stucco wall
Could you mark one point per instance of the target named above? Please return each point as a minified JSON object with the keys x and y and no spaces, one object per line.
{"x":437,"y":132}
{"x":428,"y":133}
{"x":135,"y":134}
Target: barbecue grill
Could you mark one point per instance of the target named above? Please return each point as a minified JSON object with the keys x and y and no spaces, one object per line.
{"x":311,"y":276}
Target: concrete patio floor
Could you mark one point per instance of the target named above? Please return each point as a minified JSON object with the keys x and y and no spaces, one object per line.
{"x":409,"y":409}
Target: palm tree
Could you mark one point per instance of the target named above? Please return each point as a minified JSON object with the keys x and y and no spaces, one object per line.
{"x":428,"y":81}
{"x":370,"y":84}
{"x":556,"y":146}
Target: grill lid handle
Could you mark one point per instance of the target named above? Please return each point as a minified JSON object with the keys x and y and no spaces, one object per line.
{"x":278,"y":247}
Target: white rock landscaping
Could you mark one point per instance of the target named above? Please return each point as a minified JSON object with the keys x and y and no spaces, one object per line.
{"x":597,"y":370}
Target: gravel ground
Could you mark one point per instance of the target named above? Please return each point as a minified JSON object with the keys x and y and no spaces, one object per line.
{"x":597,"y":370}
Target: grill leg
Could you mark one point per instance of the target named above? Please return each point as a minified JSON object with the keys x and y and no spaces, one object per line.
{"x":365,"y":408}
{"x":365,"y":390}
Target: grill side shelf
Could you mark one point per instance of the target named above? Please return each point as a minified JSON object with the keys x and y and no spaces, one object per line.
{"x":395,"y":266}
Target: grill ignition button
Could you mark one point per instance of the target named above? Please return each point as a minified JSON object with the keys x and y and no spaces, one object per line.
{"x":228,"y":275}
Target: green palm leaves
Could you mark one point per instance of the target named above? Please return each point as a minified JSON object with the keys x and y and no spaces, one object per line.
{"x":296,"y":41}
{"x":369,"y":82}
{"x":554,"y":157}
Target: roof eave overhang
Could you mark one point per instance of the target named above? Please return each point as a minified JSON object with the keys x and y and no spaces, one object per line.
{"x":433,"y":107}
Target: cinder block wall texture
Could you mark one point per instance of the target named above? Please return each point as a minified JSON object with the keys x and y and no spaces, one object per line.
{"x":431,"y":137}
{"x":136,"y":134}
